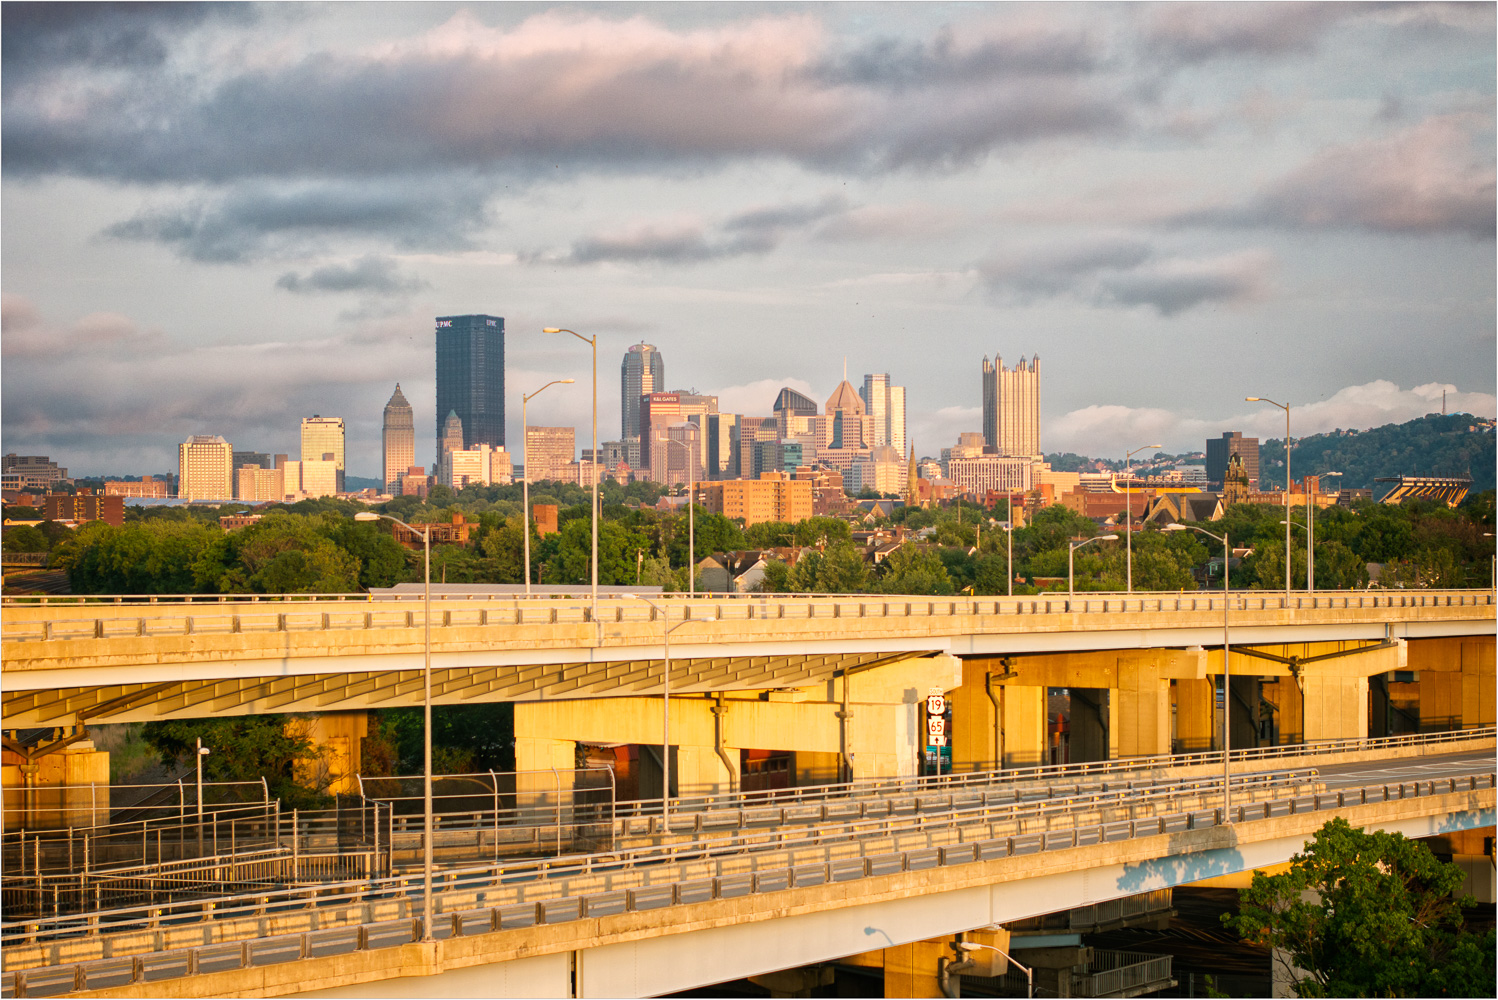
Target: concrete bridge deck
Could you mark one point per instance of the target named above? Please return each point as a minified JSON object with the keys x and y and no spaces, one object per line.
{"x":601,"y":926}
{"x":130,"y":660}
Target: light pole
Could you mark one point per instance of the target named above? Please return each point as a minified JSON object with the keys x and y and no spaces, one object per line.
{"x":198,"y":760}
{"x":1029,"y":973}
{"x":426,"y":710}
{"x":666,"y":630}
{"x":1129,"y":515}
{"x":1071,"y":590}
{"x":1009,"y":559}
{"x":1288,"y":480}
{"x":593,"y":341}
{"x":1310,"y":558}
{"x":691,"y":514}
{"x":525,"y":484}
{"x":1227,"y":692}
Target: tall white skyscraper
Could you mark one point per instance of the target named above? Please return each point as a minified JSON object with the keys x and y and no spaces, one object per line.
{"x":399,"y":440}
{"x":322,"y":441}
{"x":885,"y":403}
{"x":1011,"y":407}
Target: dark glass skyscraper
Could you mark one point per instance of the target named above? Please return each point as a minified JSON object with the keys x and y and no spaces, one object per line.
{"x":471,"y":377}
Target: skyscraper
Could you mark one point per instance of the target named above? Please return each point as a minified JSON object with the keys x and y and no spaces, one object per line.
{"x":450,"y":441}
{"x":1011,"y":406}
{"x":885,"y":403}
{"x":642,"y":373}
{"x":471,"y":377}
{"x":398,"y":440}
{"x":205,"y":468}
{"x":322,"y":441}
{"x":1220,"y":452}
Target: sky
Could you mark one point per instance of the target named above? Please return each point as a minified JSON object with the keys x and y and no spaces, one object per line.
{"x":219,"y":219}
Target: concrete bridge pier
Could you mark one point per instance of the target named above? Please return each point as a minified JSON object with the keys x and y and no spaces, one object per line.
{"x":54,"y":780}
{"x":1456,"y":678}
{"x":338,"y":737}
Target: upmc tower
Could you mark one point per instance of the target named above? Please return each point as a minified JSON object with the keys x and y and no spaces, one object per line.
{"x":471,"y":377}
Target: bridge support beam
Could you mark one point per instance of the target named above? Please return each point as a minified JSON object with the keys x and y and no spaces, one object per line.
{"x":338,"y":735}
{"x":57,"y":783}
{"x":1196,"y":728}
{"x":1456,"y":681}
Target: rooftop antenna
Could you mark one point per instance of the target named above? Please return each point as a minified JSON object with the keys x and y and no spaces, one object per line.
{"x":845,"y":378}
{"x":1443,"y":402}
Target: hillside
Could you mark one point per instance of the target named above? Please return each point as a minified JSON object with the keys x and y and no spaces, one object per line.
{"x":1457,"y":444}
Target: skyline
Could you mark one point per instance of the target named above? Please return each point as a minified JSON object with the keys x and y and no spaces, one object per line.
{"x":1175,"y":206}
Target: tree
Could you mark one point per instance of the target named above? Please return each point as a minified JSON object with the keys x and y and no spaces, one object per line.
{"x":243,"y":748}
{"x":911,"y":569}
{"x":1368,"y":914}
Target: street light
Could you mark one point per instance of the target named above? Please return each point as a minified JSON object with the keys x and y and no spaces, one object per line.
{"x":426,"y":706}
{"x":1227,"y":693}
{"x":1009,"y":563}
{"x":666,"y":630}
{"x":1288,"y":480}
{"x":1310,"y":557}
{"x":1129,"y":515}
{"x":1072,"y":547}
{"x":1029,"y":973}
{"x":691,"y":515}
{"x":525,"y":485}
{"x":593,"y":341}
{"x":198,"y":760}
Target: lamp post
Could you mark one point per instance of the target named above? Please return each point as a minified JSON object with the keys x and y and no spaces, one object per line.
{"x":1129,"y":515}
{"x":691,"y":514}
{"x":198,"y":760}
{"x":1009,"y":559}
{"x":525,"y":487}
{"x":1227,"y":692}
{"x":592,"y":341}
{"x":1310,"y":557}
{"x":426,"y":709}
{"x":666,"y":630}
{"x":1288,"y":480}
{"x":1029,"y":973}
{"x":1071,"y":590}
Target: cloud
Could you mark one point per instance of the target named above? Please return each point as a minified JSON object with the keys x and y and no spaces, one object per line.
{"x":1120,"y":272}
{"x":881,"y":222}
{"x":27,"y":336}
{"x":372,"y":275}
{"x":757,"y":399}
{"x":1434,"y":177}
{"x":688,"y":241}
{"x":568,"y":89}
{"x":1110,"y":430}
{"x":259,"y":219}
{"x":1188,"y":33}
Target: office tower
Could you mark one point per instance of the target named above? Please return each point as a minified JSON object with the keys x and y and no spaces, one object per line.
{"x":844,"y":432}
{"x":642,"y":373}
{"x":256,"y":484}
{"x":548,"y":452}
{"x":1221,"y":450}
{"x":471,"y":377}
{"x":205,"y":468}
{"x":1011,"y":407}
{"x":885,"y":404}
{"x":793,"y":412}
{"x":243,"y":458}
{"x":398,"y":439}
{"x":661,"y":408}
{"x":322,"y":441}
{"x":722,"y":459}
{"x":23,"y":471}
{"x":450,"y":441}
{"x":673,"y":464}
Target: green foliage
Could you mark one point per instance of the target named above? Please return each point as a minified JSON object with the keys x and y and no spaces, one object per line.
{"x":1432,"y":445}
{"x":1381,"y":919}
{"x":568,"y":554}
{"x":839,"y":569}
{"x":777,"y":578}
{"x":148,"y":557}
{"x":244,"y":748}
{"x":465,"y":739}
{"x":25,"y":538}
{"x":913,"y":569}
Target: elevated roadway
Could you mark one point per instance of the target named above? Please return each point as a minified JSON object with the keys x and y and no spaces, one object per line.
{"x":679,"y":915}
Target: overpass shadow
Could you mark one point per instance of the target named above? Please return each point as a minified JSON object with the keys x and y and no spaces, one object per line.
{"x":1178,"y":869}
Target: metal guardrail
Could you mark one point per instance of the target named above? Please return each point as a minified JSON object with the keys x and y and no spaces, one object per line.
{"x":451,"y":611}
{"x":1123,"y":973}
{"x":96,"y":974}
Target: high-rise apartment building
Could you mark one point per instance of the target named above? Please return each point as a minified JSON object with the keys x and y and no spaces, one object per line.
{"x":772,"y":497}
{"x":254,"y":484}
{"x":548,"y":452}
{"x":205,"y":468}
{"x":322,"y":441}
{"x":1011,"y":407}
{"x":86,"y":505}
{"x":885,"y":405}
{"x":642,"y":373}
{"x":1220,"y":452}
{"x":471,"y":377}
{"x":398,"y":439}
{"x":975,"y":477}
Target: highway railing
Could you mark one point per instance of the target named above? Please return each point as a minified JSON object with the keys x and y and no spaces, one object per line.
{"x":459,"y":918}
{"x":193,"y":615}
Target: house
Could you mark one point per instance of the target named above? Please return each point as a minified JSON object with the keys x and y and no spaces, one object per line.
{"x":1171,"y":508}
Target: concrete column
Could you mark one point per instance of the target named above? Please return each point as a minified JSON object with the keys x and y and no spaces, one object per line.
{"x":1335,"y":707}
{"x":538,"y":753}
{"x":1245,"y":712}
{"x":975,"y":729}
{"x":910,"y":969}
{"x":1140,"y":709}
{"x":338,"y":736}
{"x":1456,"y":681}
{"x":1024,"y":712}
{"x":1284,"y":694}
{"x":1091,"y":724}
{"x":69,"y":787}
{"x":1196,"y":731}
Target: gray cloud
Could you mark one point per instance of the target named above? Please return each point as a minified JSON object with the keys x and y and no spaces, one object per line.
{"x":756,"y":231}
{"x":900,"y":64}
{"x":256,"y":220}
{"x":371,"y":275}
{"x":1434,"y":177}
{"x":1186,"y":33}
{"x":565,"y":89}
{"x":1114,"y":273}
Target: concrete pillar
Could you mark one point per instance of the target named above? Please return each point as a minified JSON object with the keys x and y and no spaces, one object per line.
{"x":1289,"y":722}
{"x":1196,"y":729}
{"x":337,"y":736}
{"x":539,"y":753}
{"x":1456,"y":681}
{"x":1335,"y":707}
{"x":975,"y":729}
{"x":910,"y":969}
{"x":1024,"y":714}
{"x":68,"y":787}
{"x":1245,"y":712}
{"x":1140,"y":724}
